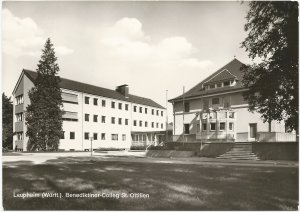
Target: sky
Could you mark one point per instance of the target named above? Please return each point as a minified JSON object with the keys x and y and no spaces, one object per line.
{"x":151,"y":46}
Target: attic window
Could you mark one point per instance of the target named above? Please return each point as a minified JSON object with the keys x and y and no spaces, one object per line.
{"x":219,"y":85}
{"x":226,"y":83}
{"x":212,"y":86}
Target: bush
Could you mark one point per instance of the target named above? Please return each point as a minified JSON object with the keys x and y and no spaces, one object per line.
{"x":138,"y":148}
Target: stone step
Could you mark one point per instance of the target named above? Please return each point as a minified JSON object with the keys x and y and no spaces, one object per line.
{"x":229,"y":154}
{"x":240,"y":158}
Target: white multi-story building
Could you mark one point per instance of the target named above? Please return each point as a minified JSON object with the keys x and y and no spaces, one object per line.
{"x":112,"y":118}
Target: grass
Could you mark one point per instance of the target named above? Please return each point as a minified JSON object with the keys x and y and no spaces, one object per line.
{"x":170,"y":186}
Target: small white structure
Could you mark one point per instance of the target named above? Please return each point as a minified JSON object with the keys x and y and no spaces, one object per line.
{"x":114,"y":118}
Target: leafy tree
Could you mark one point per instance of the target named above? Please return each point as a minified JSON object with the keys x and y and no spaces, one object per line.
{"x":7,"y":122}
{"x":44,"y":114}
{"x":273,"y":39}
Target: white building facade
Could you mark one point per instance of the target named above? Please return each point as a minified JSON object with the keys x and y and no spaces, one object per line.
{"x":215,"y":111}
{"x":112,"y":118}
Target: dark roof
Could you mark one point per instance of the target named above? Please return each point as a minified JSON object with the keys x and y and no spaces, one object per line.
{"x":233,"y":71}
{"x":95,"y":90}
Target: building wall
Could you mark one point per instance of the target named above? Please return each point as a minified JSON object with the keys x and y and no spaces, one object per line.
{"x":241,"y":122}
{"x":23,"y":88}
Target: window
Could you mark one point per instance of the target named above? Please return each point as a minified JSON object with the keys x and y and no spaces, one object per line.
{"x":226,"y":83}
{"x":212,"y":86}
{"x":134,"y":108}
{"x":205,"y":104}
{"x":230,"y":126}
{"x":19,"y":100}
{"x":134,"y":123}
{"x":222,"y":126}
{"x":161,"y":126}
{"x":152,"y":111}
{"x":152,"y":124}
{"x":19,"y":117}
{"x":113,"y":104}
{"x":114,"y":137}
{"x":103,"y":103}
{"x":215,"y":101}
{"x":198,"y":127}
{"x":146,"y":124}
{"x":231,"y":115}
{"x":144,"y":137}
{"x":157,"y":112}
{"x":186,"y":107}
{"x":204,"y":128}
{"x":95,"y":118}
{"x":62,"y":135}
{"x":126,"y":106}
{"x":146,"y":110}
{"x":72,"y":135}
{"x":162,"y":113}
{"x":156,"y":125}
{"x":95,"y":136}
{"x":19,"y":135}
{"x":86,"y":117}
{"x":69,"y":98}
{"x":103,"y":119}
{"x":120,"y":120}
{"x":86,"y":136}
{"x":120,"y":106}
{"x":86,"y":100}
{"x":113,"y":119}
{"x":186,"y":128}
{"x":102,"y":136}
{"x":141,"y":123}
{"x":126,"y":121}
{"x":219,"y":85}
{"x":212,"y":126}
{"x":140,"y":137}
{"x":95,"y":101}
{"x":141,"y":109}
{"x":123,"y":137}
{"x":69,"y":116}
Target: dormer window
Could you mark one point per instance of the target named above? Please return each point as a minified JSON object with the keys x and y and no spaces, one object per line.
{"x":226,"y":83}
{"x":212,"y":86}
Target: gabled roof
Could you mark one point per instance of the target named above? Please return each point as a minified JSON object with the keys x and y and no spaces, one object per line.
{"x":232,"y":70}
{"x":95,"y":90}
{"x":220,"y":77}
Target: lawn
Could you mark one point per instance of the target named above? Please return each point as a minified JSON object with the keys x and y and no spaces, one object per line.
{"x":169,"y":186}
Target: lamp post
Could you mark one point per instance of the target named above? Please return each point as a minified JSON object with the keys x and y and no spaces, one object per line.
{"x":91,"y":138}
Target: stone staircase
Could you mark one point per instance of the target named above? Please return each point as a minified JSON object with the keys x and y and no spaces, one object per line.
{"x":240,"y":151}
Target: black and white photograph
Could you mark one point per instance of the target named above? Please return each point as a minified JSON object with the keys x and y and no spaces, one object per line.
{"x":150,"y":105}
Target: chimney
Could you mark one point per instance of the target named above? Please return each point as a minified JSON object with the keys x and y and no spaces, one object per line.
{"x":123,"y":89}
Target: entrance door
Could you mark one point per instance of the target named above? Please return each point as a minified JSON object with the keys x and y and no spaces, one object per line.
{"x":253,"y":131}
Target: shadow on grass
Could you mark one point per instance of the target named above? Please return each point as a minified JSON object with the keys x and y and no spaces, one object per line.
{"x":170,"y":186}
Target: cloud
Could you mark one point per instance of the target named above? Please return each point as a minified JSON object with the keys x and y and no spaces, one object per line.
{"x":126,"y":41}
{"x":22,"y":36}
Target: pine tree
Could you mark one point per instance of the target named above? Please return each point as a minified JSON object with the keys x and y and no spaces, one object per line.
{"x":7,"y":122}
{"x":44,"y":114}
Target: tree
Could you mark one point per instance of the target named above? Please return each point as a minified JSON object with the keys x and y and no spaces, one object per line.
{"x":273,"y":39}
{"x":7,"y":122}
{"x":44,"y":114}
